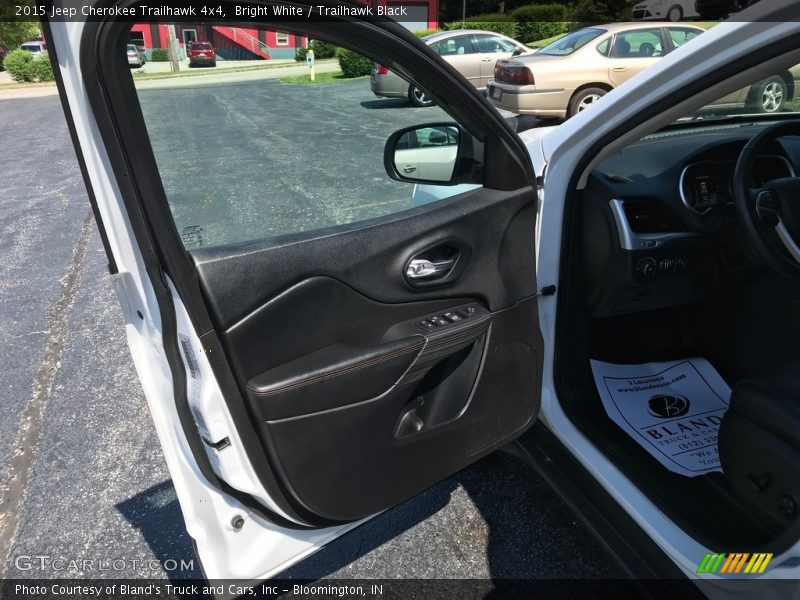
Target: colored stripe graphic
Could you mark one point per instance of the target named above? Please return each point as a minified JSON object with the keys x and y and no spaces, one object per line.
{"x":729,"y":564}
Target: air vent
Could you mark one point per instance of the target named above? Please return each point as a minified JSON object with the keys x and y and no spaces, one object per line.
{"x":650,"y":217}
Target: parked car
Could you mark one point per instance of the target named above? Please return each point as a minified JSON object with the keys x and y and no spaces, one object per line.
{"x":472,"y":52}
{"x":575,"y":71}
{"x":35,"y":47}
{"x":664,"y":10}
{"x":202,"y":54}
{"x":136,"y":57}
{"x":302,"y":384}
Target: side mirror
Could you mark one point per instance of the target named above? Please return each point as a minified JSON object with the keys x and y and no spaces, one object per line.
{"x":435,"y":153}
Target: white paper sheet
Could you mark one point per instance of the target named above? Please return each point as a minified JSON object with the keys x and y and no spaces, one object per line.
{"x":672,"y":409}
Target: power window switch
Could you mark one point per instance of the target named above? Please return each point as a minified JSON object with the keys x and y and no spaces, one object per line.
{"x":439,"y":321}
{"x":452,"y":317}
{"x":426,"y":324}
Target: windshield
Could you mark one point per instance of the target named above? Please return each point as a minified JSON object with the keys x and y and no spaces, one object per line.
{"x":571,"y":42}
{"x":773,"y":95}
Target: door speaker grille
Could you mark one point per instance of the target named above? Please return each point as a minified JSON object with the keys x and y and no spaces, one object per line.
{"x":508,"y":399}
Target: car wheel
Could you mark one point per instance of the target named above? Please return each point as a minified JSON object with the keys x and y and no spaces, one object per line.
{"x":214,"y":64}
{"x":675,"y":14}
{"x":418,"y":97}
{"x":769,"y":96}
{"x":584,"y":99}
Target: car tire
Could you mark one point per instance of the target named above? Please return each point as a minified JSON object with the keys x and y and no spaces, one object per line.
{"x":418,"y":97}
{"x":675,"y":14}
{"x":214,"y":64}
{"x":768,"y":96}
{"x":584,"y":99}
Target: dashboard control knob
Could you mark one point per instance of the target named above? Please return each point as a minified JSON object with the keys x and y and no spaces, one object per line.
{"x":647,"y":267}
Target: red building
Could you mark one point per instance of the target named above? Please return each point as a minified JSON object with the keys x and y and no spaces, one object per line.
{"x":244,"y":43}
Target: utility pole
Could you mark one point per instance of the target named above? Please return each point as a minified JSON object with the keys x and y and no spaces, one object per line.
{"x":172,"y":49}
{"x":463,"y":13}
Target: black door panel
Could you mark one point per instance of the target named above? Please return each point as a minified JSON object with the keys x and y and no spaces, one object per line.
{"x":494,"y":231}
{"x":313,"y":315}
{"x":342,"y":373}
{"x":350,"y":462}
{"x":358,"y":402}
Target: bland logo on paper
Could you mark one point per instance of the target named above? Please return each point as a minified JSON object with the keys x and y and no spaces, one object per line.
{"x":671,"y":409}
{"x":668,"y":407}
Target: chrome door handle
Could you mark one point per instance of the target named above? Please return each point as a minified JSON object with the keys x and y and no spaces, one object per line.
{"x":421,"y":268}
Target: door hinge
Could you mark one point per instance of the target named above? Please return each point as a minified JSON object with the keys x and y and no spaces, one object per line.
{"x":549,"y":290}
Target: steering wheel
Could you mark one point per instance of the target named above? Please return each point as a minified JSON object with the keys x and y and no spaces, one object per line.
{"x":770,"y":214}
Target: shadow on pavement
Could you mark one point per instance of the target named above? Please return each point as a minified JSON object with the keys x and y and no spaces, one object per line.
{"x":530,"y":533}
{"x":524,"y":532}
{"x":155,"y":512}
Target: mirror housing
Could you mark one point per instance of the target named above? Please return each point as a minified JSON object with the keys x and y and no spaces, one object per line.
{"x":434,"y":153}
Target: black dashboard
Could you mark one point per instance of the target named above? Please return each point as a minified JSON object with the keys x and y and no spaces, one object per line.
{"x":658,"y":222}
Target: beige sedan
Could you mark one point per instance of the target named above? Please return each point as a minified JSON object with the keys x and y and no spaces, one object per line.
{"x":578,"y":69}
{"x":472,"y":52}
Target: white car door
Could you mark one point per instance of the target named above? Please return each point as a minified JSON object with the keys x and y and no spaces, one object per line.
{"x":301,"y":383}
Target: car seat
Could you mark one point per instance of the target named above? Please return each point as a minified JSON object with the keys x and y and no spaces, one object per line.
{"x":759,"y":446}
{"x":622,"y":48}
{"x":647,"y":49}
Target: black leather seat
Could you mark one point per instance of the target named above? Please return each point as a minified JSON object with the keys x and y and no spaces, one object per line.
{"x":759,"y":446}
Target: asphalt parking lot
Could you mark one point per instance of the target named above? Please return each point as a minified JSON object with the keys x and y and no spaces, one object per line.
{"x":81,"y":468}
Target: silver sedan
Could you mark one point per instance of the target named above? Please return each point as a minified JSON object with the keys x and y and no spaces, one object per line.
{"x":472,"y":52}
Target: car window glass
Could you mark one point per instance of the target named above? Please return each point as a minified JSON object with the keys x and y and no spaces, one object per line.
{"x":604,"y":46}
{"x":493,"y":43}
{"x":259,"y":153}
{"x":682,"y":35}
{"x":460,"y":44}
{"x":638,"y":43}
{"x":571,"y":42}
{"x":428,"y":137}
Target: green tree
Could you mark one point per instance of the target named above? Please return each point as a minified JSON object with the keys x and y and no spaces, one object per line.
{"x":12,"y":34}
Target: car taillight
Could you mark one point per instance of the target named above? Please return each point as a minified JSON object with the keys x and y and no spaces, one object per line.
{"x":381,"y":70}
{"x":515,"y":75}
